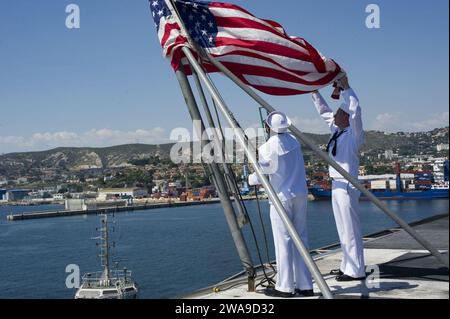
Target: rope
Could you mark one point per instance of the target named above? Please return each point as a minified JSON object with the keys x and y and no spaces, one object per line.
{"x":263,"y":226}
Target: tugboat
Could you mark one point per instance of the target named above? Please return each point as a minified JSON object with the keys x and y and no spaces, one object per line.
{"x":107,"y":284}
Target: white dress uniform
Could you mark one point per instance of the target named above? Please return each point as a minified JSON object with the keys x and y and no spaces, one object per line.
{"x":282,"y":159}
{"x":345,"y":196}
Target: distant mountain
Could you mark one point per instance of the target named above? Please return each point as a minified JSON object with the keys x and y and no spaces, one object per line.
{"x":401,"y":143}
{"x":407,"y":143}
{"x":73,"y":159}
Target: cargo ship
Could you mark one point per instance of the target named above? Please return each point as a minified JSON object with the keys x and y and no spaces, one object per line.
{"x":423,"y":186}
{"x":436,"y":191}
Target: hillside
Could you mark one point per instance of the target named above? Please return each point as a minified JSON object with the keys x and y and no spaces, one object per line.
{"x":76,"y":159}
{"x":401,"y":143}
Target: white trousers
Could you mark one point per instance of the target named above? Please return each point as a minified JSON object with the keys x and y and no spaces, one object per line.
{"x":346,"y":213}
{"x":291,"y":269}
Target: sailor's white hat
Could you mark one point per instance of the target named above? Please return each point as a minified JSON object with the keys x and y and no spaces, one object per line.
{"x":278,"y":122}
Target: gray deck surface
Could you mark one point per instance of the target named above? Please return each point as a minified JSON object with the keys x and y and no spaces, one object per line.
{"x":436,"y":232}
{"x":406,"y":269}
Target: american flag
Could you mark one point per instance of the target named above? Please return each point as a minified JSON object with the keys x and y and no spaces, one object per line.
{"x":257,"y":51}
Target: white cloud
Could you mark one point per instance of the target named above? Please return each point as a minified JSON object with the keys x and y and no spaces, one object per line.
{"x":308,"y":125}
{"x":92,"y":138}
{"x":434,"y":121}
{"x":11,"y":140}
{"x":115,"y":137}
{"x":395,"y":122}
{"x":54,"y":137}
{"x":387,"y":122}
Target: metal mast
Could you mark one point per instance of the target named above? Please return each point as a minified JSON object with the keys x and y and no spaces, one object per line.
{"x":219,"y":181}
{"x":104,"y":247}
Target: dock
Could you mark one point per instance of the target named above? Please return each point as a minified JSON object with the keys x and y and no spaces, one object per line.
{"x":403,"y":269}
{"x":105,"y":210}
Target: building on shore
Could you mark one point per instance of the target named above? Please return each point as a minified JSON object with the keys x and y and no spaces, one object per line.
{"x":118,"y":193}
{"x":58,"y":196}
{"x":17,"y":194}
{"x":83,"y":204}
{"x":442,"y":147}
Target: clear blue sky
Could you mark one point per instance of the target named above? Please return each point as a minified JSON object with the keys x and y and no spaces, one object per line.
{"x":107,"y":82}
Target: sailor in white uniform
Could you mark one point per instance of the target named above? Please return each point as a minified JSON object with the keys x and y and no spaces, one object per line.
{"x":282,"y":159}
{"x":347,"y":139}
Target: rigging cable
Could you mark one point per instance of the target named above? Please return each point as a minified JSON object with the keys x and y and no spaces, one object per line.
{"x":267,"y":278}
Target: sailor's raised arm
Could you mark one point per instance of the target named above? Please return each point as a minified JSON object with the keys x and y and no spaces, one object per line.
{"x":354,"y":110}
{"x":323,"y":109}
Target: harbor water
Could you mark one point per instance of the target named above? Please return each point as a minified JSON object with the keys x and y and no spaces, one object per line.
{"x":171,"y":251}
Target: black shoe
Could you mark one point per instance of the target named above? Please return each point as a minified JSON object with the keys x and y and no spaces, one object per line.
{"x":272,"y":292}
{"x":348,"y":278}
{"x":305,"y":293}
{"x":336,"y":272}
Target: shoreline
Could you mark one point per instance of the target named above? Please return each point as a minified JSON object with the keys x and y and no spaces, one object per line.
{"x":66,"y":213}
{"x":112,"y":209}
{"x":119,"y":209}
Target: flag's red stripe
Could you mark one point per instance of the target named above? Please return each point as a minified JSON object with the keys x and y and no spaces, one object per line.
{"x":167,"y":29}
{"x":271,"y":90}
{"x":262,"y":50}
{"x":315,"y":56}
{"x":178,"y":41}
{"x":263,"y":70}
{"x":235,"y":7}
{"x":246,"y":23}
{"x":273,"y":23}
{"x":237,"y":22}
{"x":273,"y":48}
{"x":228,"y":6}
{"x":177,"y":63}
{"x":265,"y":47}
{"x":279,"y":91}
{"x":276,"y":74}
{"x":261,"y":57}
{"x":176,"y":59}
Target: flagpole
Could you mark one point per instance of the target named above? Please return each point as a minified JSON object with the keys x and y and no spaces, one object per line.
{"x":242,"y":217}
{"x":230,"y":216}
{"x":324,"y":156}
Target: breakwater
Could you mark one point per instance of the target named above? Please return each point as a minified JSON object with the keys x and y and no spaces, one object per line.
{"x":104,"y":210}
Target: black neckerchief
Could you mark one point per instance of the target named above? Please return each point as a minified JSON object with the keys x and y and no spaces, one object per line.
{"x":334,"y":139}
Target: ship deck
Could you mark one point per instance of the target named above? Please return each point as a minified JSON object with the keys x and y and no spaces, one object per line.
{"x":406,"y":270}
